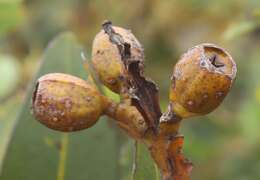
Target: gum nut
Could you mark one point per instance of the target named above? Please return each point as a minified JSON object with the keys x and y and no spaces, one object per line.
{"x":66,"y":103}
{"x":107,"y":60}
{"x":201,"y":80}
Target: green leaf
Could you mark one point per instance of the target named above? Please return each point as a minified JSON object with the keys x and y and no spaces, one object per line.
{"x":144,"y":167}
{"x":7,"y":121}
{"x":36,"y":152}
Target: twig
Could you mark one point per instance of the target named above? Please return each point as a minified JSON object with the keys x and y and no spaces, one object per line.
{"x":63,"y":156}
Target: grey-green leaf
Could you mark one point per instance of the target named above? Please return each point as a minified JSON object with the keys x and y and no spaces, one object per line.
{"x":7,"y":122}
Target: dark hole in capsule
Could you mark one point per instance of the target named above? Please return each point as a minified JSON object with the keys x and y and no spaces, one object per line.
{"x":127,"y":50}
{"x":214,"y":61}
{"x":203,"y":63}
{"x":35,"y":92}
{"x":121,"y":78}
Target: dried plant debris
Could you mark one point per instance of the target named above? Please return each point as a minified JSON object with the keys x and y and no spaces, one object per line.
{"x":144,"y":93}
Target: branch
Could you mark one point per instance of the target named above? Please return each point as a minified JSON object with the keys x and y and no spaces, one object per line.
{"x":164,"y":143}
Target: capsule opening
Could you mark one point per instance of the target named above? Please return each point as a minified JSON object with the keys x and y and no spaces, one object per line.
{"x":215,"y":56}
{"x":214,"y":61}
{"x":35,"y":92}
{"x":127,"y":50}
{"x":217,"y":60}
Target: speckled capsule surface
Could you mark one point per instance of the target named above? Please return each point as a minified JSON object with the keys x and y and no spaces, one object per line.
{"x":107,"y":60}
{"x":201,"y":80}
{"x":66,"y":103}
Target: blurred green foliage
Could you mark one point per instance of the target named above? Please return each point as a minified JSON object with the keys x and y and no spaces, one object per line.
{"x":11,"y":70}
{"x":10,"y":14}
{"x":222,"y":145}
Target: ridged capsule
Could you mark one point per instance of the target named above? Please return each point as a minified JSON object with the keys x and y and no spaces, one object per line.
{"x":201,"y":80}
{"x":107,"y":54}
{"x":66,"y":103}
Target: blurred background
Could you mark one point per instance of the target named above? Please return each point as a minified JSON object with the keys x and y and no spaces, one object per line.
{"x":223,"y":145}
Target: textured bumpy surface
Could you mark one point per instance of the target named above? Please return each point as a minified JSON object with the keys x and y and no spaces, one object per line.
{"x":66,"y":103}
{"x":201,"y":79}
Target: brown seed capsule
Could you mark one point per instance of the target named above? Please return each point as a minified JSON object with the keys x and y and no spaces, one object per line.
{"x":66,"y":103}
{"x":201,"y":79}
{"x":110,"y":47}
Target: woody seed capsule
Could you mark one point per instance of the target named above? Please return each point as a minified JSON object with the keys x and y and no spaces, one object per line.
{"x":66,"y":103}
{"x":201,"y":80}
{"x":109,"y":47}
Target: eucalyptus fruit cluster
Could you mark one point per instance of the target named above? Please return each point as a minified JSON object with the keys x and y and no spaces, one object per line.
{"x":200,"y":81}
